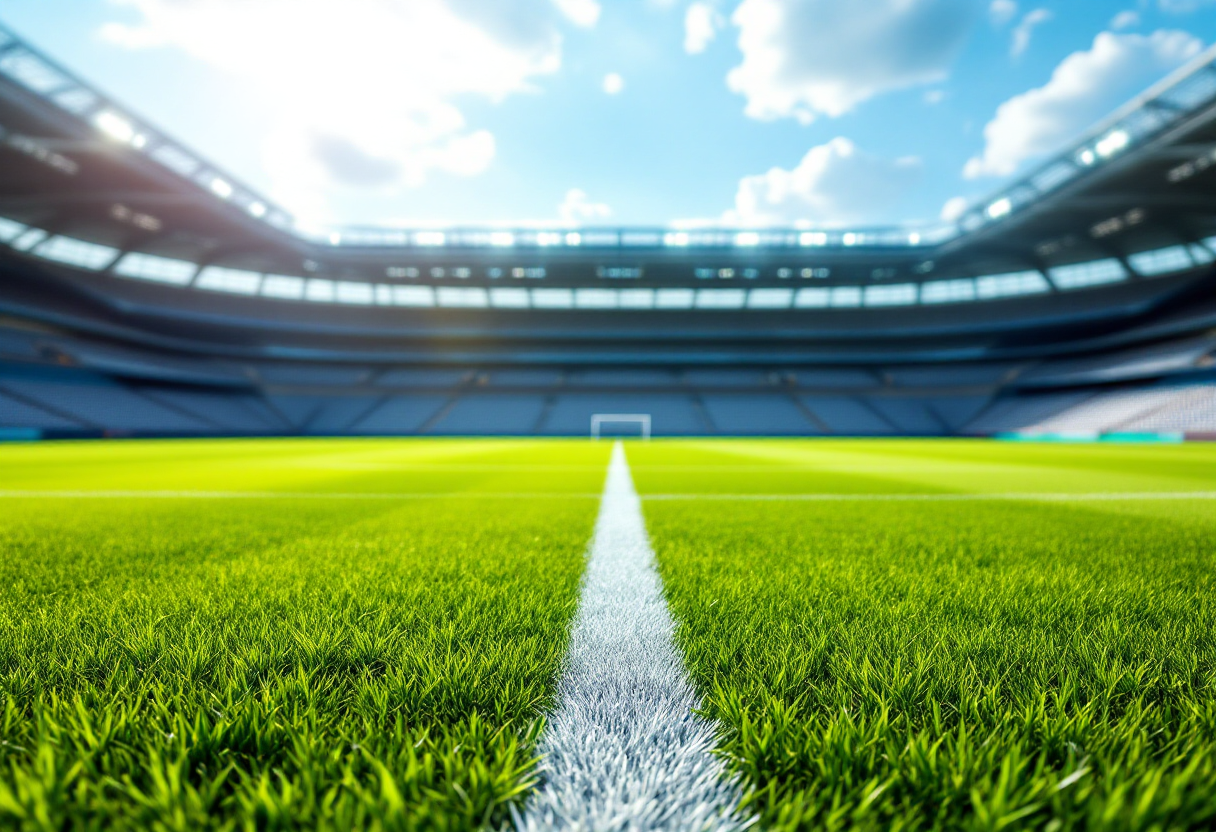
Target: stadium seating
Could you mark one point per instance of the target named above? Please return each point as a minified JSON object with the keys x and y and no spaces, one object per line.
{"x":763,"y":414}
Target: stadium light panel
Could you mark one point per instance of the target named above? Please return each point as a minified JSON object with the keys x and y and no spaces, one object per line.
{"x":574,"y":239}
{"x":318,"y":290}
{"x":812,"y":239}
{"x":257,"y":209}
{"x":998,"y":209}
{"x":115,"y":126}
{"x":156,"y":269}
{"x":596,"y":299}
{"x":812,"y":298}
{"x":674,"y":299}
{"x":462,"y":297}
{"x":28,"y":239}
{"x":221,"y":188}
{"x":846,"y":296}
{"x":509,"y":298}
{"x":355,"y":293}
{"x":720,"y":298}
{"x":1162,"y":261}
{"x":552,"y":299}
{"x":1094,"y":273}
{"x":10,"y":230}
{"x":430,"y":238}
{"x":770,"y":298}
{"x":636,"y":299}
{"x":548,"y":238}
{"x":914,"y":239}
{"x":992,"y":286}
{"x":902,"y":294}
{"x":948,"y":291}
{"x":416,"y":296}
{"x":747,"y":239}
{"x":676,"y":239}
{"x":502,"y":239}
{"x":284,"y":287}
{"x":78,"y":253}
{"x":1112,"y":143}
{"x":233,"y":281}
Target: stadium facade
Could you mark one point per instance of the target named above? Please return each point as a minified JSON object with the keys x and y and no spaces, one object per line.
{"x":143,"y":291}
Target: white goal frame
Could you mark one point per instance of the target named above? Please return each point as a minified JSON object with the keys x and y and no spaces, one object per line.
{"x":598,"y":420}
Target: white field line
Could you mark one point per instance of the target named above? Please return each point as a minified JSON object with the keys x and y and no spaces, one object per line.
{"x":295,"y":495}
{"x":1061,"y":497}
{"x":624,"y":750}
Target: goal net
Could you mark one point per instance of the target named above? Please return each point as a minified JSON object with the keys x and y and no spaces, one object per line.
{"x":615,"y":424}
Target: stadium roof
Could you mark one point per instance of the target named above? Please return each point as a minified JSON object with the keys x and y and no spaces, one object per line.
{"x":113,"y":209}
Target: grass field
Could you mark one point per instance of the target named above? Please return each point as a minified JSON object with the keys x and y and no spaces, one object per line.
{"x":366,"y":633}
{"x":196,"y":663}
{"x":949,"y":664}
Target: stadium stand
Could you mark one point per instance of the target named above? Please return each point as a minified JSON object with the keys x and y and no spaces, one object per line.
{"x":1079,"y":299}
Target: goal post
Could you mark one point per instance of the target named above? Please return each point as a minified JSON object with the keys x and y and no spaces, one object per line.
{"x":598,"y":420}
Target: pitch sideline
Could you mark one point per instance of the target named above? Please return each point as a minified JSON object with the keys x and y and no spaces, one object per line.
{"x":624,"y":748}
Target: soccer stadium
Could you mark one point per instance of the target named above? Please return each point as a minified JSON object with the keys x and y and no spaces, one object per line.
{"x":781,"y":522}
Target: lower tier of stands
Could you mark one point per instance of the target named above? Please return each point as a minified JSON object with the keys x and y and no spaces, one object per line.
{"x":56,"y":401}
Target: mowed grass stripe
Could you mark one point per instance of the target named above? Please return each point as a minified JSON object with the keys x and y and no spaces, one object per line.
{"x":296,"y":495}
{"x":305,"y":664}
{"x":978,"y":664}
{"x":1046,"y":496}
{"x":625,"y":748}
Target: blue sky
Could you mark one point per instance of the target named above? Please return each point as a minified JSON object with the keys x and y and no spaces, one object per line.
{"x":620,"y":112}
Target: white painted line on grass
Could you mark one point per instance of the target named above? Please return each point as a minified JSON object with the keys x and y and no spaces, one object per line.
{"x":296,"y":495}
{"x":624,"y":750}
{"x":1062,"y":497}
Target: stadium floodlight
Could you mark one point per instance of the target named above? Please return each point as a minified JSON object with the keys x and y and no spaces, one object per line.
{"x":676,"y":239}
{"x":998,"y":209}
{"x":1086,"y":157}
{"x":548,"y":238}
{"x":430,"y":238}
{"x":115,"y":126}
{"x":221,"y":188}
{"x":574,"y":239}
{"x":851,"y":239}
{"x":257,"y":209}
{"x":502,"y":239}
{"x":914,"y":239}
{"x":813,"y":238}
{"x":642,"y":420}
{"x":747,"y":238}
{"x":335,"y":238}
{"x":1112,"y":143}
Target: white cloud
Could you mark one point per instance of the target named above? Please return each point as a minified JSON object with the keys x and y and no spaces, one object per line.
{"x":584,"y":13}
{"x":1084,"y":87}
{"x":613,"y":83}
{"x":834,"y":184}
{"x":935,"y":96}
{"x":362,"y":93}
{"x":1183,"y":6}
{"x":1023,"y":31}
{"x":1125,"y":20}
{"x":701,"y":24}
{"x":1002,"y":11}
{"x":804,"y":58}
{"x":577,"y":208}
{"x":954,"y":208}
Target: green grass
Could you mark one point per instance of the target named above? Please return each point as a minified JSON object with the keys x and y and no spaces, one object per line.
{"x":377,"y":662}
{"x":949,"y":665}
{"x":283,"y":663}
